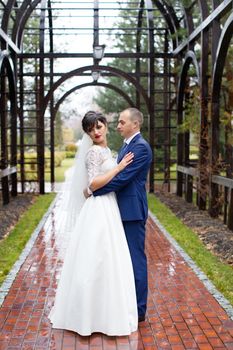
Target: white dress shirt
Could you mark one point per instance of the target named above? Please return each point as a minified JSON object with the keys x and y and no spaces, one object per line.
{"x":131,"y":137}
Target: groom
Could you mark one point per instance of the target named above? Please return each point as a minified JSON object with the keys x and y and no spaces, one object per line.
{"x":129,"y":186}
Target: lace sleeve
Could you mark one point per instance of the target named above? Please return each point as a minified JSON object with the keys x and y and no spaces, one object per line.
{"x":94,"y":160}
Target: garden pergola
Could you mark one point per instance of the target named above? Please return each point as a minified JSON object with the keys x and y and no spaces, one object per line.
{"x":189,"y":65}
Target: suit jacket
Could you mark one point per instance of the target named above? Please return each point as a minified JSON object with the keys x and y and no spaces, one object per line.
{"x":129,"y":185}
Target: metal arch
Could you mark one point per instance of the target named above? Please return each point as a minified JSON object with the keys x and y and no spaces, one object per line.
{"x":21,"y":19}
{"x":138,"y":49}
{"x":216,"y":31}
{"x":139,"y":25}
{"x":114,"y":70}
{"x":221,"y":54}
{"x":51,"y":80}
{"x":188,"y":19}
{"x":26,"y":10}
{"x":40,"y":116}
{"x":5,"y":61}
{"x":189,"y":58}
{"x":3,"y":56}
{"x":151,"y":84}
{"x":150,"y":21}
{"x":172,"y":14}
{"x":203,"y":144}
{"x":109,"y":86}
{"x":22,"y":16}
{"x":55,"y":109}
{"x":42,"y":27}
{"x":224,"y":7}
{"x":6,"y":15}
{"x":204,"y":9}
{"x":50,"y":18}
{"x":96,"y":24}
{"x":167,"y":17}
{"x":68,"y":75}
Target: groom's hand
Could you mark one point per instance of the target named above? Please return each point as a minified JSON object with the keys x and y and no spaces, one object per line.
{"x":87,"y":193}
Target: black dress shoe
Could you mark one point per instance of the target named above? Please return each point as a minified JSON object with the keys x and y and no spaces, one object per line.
{"x":141,"y":318}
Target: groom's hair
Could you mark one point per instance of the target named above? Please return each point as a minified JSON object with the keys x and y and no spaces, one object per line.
{"x":135,"y":114}
{"x":90,"y":120}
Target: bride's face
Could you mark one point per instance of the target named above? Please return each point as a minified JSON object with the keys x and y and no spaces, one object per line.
{"x":98,"y":133}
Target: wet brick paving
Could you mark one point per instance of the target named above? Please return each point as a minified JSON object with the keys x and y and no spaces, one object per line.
{"x":182,"y":312}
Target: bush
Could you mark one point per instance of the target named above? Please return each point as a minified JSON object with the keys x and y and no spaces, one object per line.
{"x":59,"y":157}
{"x":32,"y":159}
{"x":71,"y":147}
{"x":70,"y":154}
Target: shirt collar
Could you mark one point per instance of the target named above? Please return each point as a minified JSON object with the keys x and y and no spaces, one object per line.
{"x":131,"y":137}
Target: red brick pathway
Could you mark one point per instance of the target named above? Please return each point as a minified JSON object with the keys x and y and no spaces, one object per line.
{"x":182,"y":314}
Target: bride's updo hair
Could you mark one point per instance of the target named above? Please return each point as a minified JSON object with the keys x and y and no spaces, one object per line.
{"x":91,"y":119}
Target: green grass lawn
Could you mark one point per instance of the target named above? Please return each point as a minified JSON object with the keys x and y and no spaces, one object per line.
{"x":219,"y":273}
{"x":12,"y":246}
{"x":60,"y":171}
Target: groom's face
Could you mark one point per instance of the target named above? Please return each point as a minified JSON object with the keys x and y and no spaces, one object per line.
{"x":126,"y":127}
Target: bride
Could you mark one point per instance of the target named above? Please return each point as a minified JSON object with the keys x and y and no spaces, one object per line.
{"x":96,"y":291}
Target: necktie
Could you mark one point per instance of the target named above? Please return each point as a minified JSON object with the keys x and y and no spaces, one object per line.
{"x":125,"y":144}
{"x":122,"y":151}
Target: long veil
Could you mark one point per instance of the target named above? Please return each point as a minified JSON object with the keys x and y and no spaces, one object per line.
{"x":72,"y":193}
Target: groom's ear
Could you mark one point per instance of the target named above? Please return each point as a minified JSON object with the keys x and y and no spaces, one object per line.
{"x":136,"y":123}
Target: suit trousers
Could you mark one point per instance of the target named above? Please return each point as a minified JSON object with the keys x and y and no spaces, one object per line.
{"x":135,"y":235}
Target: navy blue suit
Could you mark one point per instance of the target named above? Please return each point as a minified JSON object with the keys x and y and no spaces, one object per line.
{"x":129,"y":186}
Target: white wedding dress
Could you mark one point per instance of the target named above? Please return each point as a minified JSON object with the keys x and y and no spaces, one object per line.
{"x":96,"y":291}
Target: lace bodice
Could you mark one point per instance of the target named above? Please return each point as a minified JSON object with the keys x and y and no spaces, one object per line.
{"x":98,"y":161}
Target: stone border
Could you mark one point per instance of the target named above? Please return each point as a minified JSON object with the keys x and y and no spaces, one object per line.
{"x":6,"y":285}
{"x":208,"y":284}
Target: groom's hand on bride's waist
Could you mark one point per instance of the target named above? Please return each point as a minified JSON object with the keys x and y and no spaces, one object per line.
{"x":87,"y":192}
